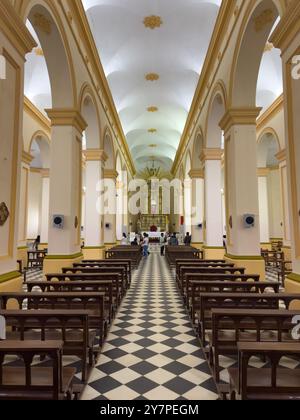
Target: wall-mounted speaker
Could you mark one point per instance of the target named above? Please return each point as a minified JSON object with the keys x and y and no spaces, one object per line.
{"x":249,"y":221}
{"x":58,"y":221}
{"x":107,"y":225}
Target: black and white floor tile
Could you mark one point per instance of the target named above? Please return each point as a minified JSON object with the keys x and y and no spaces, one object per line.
{"x":152,"y":352}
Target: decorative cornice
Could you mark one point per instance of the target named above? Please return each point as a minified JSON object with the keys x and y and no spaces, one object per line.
{"x":239,"y":116}
{"x":27,"y":158}
{"x":196,"y":173}
{"x":67,"y":117}
{"x":36,"y":170}
{"x":288,"y":27}
{"x":36,"y":114}
{"x":45,"y":173}
{"x":281,"y":156}
{"x":95,"y":155}
{"x":15,"y":30}
{"x":270,"y":113}
{"x":110,"y":174}
{"x":211,"y":154}
{"x":263,"y":172}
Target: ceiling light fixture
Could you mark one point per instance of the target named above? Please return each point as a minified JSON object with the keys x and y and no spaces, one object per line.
{"x":152,"y":109}
{"x":152,"y":130}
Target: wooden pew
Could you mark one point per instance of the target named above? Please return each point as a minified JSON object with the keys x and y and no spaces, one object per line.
{"x":72,"y":327}
{"x":199,"y":263}
{"x":110,"y":283}
{"x":133,"y":253}
{"x":35,"y":259}
{"x":123,"y":285}
{"x":199,"y":287}
{"x":187,"y":274}
{"x":230,"y":326}
{"x":92,"y":301}
{"x":210,"y":301}
{"x":272,"y":383}
{"x":174,"y":253}
{"x":127,"y":264}
{"x":185,"y":261}
{"x":34,"y":383}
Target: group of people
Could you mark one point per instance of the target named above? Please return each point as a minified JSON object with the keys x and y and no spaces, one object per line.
{"x":164,"y":240}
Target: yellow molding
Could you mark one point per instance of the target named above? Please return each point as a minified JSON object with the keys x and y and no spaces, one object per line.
{"x":79,"y":20}
{"x":27,"y":158}
{"x":15,"y":30}
{"x":239,"y":116}
{"x":110,"y":174}
{"x":66,"y":117}
{"x":263,"y":172}
{"x":211,"y":154}
{"x":45,"y":173}
{"x":288,"y":27}
{"x":95,"y":155}
{"x":271,"y":112}
{"x":281,"y":156}
{"x":36,"y":114}
{"x":196,"y":173}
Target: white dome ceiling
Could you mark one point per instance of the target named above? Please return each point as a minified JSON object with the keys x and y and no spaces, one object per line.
{"x":175,"y":51}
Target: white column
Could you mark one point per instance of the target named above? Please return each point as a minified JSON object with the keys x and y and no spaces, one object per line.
{"x":213,"y":237}
{"x":241,"y":188}
{"x":93,"y":218}
{"x":24,"y":187}
{"x":65,"y":186}
{"x":110,"y":235}
{"x":197,"y":177}
{"x":286,"y":225}
{"x":45,"y":206}
{"x":263,"y":205}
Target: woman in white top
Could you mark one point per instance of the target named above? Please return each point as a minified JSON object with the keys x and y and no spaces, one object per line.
{"x":146,"y":245}
{"x":124,"y":240}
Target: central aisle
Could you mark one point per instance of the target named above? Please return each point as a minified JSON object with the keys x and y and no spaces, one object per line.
{"x":152,"y":351}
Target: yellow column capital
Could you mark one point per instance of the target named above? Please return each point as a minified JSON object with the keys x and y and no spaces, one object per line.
{"x":211,"y":154}
{"x":67,"y":117}
{"x":196,"y":173}
{"x":239,"y":116}
{"x":281,"y":156}
{"x":95,"y":155}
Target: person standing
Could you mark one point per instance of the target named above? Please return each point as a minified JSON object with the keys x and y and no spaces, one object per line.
{"x":162,"y":241}
{"x":174,"y":240}
{"x":187,"y":239}
{"x":146,"y":245}
{"x":124,"y":240}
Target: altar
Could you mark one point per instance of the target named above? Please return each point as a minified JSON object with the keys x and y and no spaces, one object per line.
{"x":154,"y":236}
{"x":148,"y":222}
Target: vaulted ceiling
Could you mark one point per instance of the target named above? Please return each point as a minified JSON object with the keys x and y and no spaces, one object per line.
{"x":152,"y":52}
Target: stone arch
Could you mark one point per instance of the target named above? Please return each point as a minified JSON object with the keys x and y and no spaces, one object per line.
{"x":216,"y":110}
{"x":90,"y":112}
{"x":50,"y":31}
{"x":197,"y":149}
{"x":257,"y":24}
{"x":108,"y":146}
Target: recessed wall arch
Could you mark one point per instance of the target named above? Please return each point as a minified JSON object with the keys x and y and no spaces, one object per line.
{"x":90,"y":112}
{"x":197,"y":149}
{"x":216,"y":110}
{"x":269,"y":130}
{"x":259,"y":19}
{"x":38,"y":133}
{"x":49,"y":28}
{"x":108,"y":147}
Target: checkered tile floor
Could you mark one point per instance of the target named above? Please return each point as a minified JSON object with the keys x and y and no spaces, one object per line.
{"x":152,"y":352}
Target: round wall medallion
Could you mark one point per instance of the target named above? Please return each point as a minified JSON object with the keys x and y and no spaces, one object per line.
{"x":4,"y":214}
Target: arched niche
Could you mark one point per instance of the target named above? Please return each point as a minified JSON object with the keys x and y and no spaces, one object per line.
{"x":89,"y":111}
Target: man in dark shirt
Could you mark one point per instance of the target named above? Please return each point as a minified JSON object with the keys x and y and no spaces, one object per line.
{"x":188,"y":239}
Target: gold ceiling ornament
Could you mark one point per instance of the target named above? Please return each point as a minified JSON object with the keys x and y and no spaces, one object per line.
{"x":152,"y":146}
{"x":269,"y":47}
{"x":41,"y":22}
{"x":153,"y":22}
{"x":152,"y":130}
{"x":152,"y":109}
{"x":39,"y":52}
{"x":152,"y":77}
{"x":267,"y":16}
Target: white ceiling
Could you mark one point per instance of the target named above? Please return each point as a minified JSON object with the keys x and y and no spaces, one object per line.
{"x":128,"y":51}
{"x":176,"y":51}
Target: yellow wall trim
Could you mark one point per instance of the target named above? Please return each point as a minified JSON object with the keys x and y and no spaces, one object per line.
{"x":9,"y":276}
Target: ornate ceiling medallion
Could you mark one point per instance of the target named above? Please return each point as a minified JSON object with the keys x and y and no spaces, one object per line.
{"x":152,"y":109}
{"x":153,"y":22}
{"x":152,"y":77}
{"x":152,"y":130}
{"x":41,"y":22}
{"x":152,"y":146}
